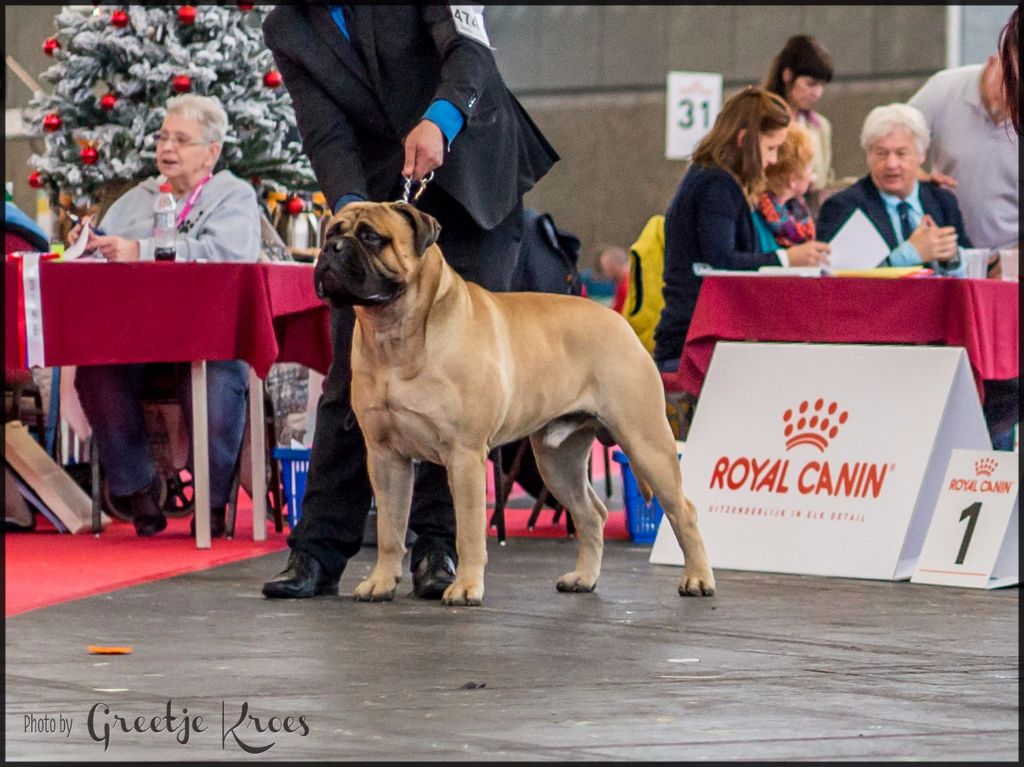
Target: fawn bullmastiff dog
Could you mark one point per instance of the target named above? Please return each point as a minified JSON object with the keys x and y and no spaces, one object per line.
{"x":443,"y":371}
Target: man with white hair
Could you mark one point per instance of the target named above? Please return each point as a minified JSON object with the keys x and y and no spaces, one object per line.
{"x":920,"y":222}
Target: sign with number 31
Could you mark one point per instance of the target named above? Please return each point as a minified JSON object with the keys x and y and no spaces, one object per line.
{"x":692,"y":102}
{"x":972,"y":538}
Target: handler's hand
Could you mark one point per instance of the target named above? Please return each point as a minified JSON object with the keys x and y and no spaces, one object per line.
{"x":424,"y":150}
{"x":115,"y":248}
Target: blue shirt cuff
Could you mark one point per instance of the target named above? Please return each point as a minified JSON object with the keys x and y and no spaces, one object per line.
{"x":446,"y":116}
{"x":905,"y":255}
{"x":346,"y":199}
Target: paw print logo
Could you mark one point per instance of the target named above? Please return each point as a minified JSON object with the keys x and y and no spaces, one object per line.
{"x":814,"y":424}
{"x":985,"y":466}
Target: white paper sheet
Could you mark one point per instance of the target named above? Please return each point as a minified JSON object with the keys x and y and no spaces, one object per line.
{"x":78,"y":252}
{"x":857,"y":244}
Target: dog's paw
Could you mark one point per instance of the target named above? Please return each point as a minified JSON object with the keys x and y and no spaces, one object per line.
{"x":576,"y":583}
{"x":463,"y":593}
{"x":375,"y":589}
{"x":697,"y":585}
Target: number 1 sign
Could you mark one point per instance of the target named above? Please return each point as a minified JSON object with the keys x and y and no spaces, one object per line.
{"x":692,"y":101}
{"x":972,"y":539}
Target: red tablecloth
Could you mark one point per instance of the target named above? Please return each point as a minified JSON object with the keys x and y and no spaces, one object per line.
{"x":101,"y":313}
{"x":980,"y":315}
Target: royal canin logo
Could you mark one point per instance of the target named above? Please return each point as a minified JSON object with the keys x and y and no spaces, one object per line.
{"x":814,"y":423}
{"x":984,"y":467}
{"x":816,"y":427}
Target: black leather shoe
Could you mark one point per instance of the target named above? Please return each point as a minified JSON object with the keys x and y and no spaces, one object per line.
{"x":147,"y":516}
{"x":218,"y":522}
{"x":304,"y":577}
{"x":434,"y":573}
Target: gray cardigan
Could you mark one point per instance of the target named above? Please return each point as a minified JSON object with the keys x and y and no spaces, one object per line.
{"x":223,"y":225}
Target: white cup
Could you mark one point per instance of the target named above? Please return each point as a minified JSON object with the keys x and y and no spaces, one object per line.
{"x":975,"y":262}
{"x":1009,"y":264}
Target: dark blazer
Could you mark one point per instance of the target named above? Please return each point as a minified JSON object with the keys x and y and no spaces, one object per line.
{"x":356,"y":101}
{"x":936,"y":202}
{"x":709,"y":221}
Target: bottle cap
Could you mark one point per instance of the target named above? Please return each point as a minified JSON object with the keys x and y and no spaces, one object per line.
{"x":166,"y":188}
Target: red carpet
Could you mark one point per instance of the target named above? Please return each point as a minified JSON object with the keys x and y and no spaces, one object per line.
{"x":44,"y":568}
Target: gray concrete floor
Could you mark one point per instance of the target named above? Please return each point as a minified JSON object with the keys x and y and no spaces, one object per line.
{"x":772,"y":668}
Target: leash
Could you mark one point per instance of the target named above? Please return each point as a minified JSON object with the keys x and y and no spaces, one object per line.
{"x":422,"y":185}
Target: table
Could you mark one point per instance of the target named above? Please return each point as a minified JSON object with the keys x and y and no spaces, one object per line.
{"x":111,"y":313}
{"x":982,"y":316}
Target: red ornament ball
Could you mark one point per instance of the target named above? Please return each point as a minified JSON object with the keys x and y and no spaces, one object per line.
{"x":119,"y":18}
{"x":89,"y":155}
{"x":272,"y":79}
{"x":245,"y":7}
{"x":35,"y":179}
{"x":52,"y":122}
{"x":182,"y":83}
{"x":187,"y":14}
{"x":108,"y":101}
{"x":293,"y":206}
{"x":50,"y":45}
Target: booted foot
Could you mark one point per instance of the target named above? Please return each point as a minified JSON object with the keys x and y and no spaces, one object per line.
{"x":434,"y":573}
{"x":304,"y":577}
{"x":218,"y":523}
{"x":147,"y":516}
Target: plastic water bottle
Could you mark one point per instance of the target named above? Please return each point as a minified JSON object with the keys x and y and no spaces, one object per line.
{"x":165,"y":225}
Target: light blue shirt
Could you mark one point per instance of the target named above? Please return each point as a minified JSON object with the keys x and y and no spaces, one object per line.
{"x":905,"y":254}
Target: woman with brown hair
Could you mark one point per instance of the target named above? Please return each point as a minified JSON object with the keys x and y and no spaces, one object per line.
{"x":799,"y":74}
{"x":710,"y":221}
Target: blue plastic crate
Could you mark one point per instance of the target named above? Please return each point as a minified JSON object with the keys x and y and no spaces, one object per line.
{"x":642,"y":519}
{"x":294,"y":469}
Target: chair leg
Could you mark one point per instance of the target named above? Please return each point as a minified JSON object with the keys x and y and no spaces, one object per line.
{"x":94,"y":459}
{"x":537,"y":507}
{"x":607,"y":473}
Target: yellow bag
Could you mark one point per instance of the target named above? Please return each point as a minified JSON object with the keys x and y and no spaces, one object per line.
{"x":644,"y":300}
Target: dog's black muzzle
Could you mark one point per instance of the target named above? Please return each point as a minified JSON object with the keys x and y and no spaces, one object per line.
{"x":346,"y":276}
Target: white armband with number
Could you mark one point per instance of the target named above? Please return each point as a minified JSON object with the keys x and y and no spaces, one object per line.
{"x":469,"y":22}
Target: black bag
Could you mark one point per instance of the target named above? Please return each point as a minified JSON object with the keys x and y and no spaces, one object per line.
{"x":548,"y":258}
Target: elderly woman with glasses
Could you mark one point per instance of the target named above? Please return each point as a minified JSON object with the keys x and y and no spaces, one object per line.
{"x":218,"y":220}
{"x":218,"y":216}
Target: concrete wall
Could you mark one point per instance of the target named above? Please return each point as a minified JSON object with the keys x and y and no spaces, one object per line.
{"x":593,"y":78}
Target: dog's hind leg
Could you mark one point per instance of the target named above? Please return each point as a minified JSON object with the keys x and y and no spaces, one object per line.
{"x":563,"y":467}
{"x":467,"y":477}
{"x":392,"y":478}
{"x":652,"y":456}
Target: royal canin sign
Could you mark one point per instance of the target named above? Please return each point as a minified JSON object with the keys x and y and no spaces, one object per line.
{"x":813,"y":424}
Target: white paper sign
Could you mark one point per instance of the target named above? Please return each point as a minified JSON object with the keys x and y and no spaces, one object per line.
{"x":823,"y":459}
{"x":857,"y":244}
{"x":692,"y":102}
{"x":972,"y":540}
{"x":469,"y":21}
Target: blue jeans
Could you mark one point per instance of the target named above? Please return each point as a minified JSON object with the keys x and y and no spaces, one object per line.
{"x":110,"y":396}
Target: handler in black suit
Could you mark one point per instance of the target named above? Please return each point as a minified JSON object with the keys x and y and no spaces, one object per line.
{"x":920,"y":222}
{"x":381,"y":93}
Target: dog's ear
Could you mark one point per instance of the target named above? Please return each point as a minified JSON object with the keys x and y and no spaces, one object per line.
{"x":424,"y":226}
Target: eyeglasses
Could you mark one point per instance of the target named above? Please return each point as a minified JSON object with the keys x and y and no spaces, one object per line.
{"x":177,"y":140}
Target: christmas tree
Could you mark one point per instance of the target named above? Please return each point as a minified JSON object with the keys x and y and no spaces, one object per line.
{"x":115,"y":68}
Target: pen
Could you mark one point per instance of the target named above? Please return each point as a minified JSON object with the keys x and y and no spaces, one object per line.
{"x":77,"y":220}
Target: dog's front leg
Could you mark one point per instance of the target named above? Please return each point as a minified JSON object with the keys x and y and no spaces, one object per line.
{"x":391,"y":476}
{"x":467,"y":477}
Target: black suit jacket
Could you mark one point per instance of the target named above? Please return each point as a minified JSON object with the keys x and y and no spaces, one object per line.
{"x":356,"y":101}
{"x":936,"y":202}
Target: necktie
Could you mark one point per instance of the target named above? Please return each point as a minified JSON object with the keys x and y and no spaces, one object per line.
{"x":906,"y":228}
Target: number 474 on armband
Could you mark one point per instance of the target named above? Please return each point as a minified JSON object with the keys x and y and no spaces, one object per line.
{"x":972,"y":539}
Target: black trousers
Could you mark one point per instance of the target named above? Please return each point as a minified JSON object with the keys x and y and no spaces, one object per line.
{"x":338,"y":492}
